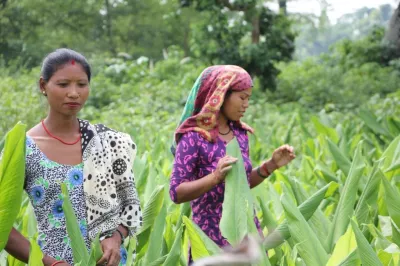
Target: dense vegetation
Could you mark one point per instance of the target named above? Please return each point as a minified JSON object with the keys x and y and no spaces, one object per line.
{"x":340,"y":110}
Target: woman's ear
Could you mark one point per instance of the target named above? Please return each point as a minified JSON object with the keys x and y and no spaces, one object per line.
{"x":42,"y":86}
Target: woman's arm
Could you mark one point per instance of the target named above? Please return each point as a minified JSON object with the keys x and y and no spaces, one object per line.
{"x":18,"y":247}
{"x":191,"y":190}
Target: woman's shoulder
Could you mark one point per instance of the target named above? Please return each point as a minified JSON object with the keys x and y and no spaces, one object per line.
{"x":192,"y":135}
{"x":241,"y":127}
{"x":108,"y":134}
{"x":102,"y":129}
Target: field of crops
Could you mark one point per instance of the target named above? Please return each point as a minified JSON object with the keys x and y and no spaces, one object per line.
{"x":336,"y":204}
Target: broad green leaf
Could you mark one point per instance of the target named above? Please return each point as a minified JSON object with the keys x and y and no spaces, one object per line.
{"x":264,"y":261}
{"x":365,"y":251}
{"x":153,"y":251}
{"x":325,"y":130}
{"x":185,"y":246}
{"x":169,"y":234}
{"x":307,"y":209}
{"x":175,"y":253}
{"x":150,"y":213}
{"x":326,"y":172}
{"x":392,"y":197}
{"x":303,"y":127}
{"x":159,"y":261}
{"x":95,"y":251}
{"x":12,"y":177}
{"x":201,"y":244}
{"x":391,"y":156}
{"x":79,"y":250}
{"x":395,"y":234}
{"x":343,"y":248}
{"x":342,"y":161}
{"x":238,"y":200}
{"x":151,"y":184}
{"x":152,"y":208}
{"x":347,"y":199}
{"x":11,"y":261}
{"x":35,"y":254}
{"x":289,"y":130}
{"x":369,"y":196}
{"x":385,"y":257}
{"x":351,"y":260}
{"x":267,"y":218}
{"x":309,"y":247}
{"x":380,"y":240}
{"x":318,"y":222}
{"x":371,"y":121}
{"x":131,"y":250}
{"x":140,"y":168}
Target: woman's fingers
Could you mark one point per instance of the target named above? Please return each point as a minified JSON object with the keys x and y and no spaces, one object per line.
{"x":227,"y":160}
{"x":104,"y":259}
{"x":114,"y":258}
{"x":226,"y":169}
{"x":286,"y":149}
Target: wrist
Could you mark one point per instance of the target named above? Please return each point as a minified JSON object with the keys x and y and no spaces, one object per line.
{"x":120,"y":235}
{"x":213,"y":179}
{"x":47,"y":260}
{"x":270,"y":166}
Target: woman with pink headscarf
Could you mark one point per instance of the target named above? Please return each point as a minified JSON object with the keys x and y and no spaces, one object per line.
{"x":210,"y":120}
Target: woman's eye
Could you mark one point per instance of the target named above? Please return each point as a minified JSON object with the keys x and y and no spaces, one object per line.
{"x":63,"y":85}
{"x":82,"y":85}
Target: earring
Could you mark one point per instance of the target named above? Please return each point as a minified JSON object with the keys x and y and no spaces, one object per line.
{"x":44,"y":93}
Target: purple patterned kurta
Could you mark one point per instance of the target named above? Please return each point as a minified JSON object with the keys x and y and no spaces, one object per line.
{"x":195,"y":158}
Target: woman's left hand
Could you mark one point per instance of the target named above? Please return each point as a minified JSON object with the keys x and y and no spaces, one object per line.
{"x":283,"y":155}
{"x":111,"y":251}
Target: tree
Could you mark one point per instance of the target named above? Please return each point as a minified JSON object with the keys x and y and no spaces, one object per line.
{"x":392,"y":36}
{"x":244,"y":33}
{"x":29,"y":29}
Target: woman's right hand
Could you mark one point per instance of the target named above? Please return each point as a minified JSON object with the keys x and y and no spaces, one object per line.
{"x":223,"y":167}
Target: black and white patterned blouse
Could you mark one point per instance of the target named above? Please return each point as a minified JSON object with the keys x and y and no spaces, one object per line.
{"x":102,"y":190}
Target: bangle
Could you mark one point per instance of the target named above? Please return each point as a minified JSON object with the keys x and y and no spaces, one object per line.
{"x":57,"y":262}
{"x":122,"y":236}
{"x":261,"y":175}
{"x":264,"y":167}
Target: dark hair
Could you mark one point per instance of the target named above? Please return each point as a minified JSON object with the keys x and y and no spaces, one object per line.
{"x":59,"y":58}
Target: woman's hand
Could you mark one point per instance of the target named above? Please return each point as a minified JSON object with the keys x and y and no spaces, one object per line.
{"x":223,"y":167}
{"x":282,"y":156}
{"x":111,"y":250}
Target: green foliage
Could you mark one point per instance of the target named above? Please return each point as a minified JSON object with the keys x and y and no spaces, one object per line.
{"x":125,"y":28}
{"x":235,"y":223}
{"x":12,"y":172}
{"x":35,"y":254}
{"x":316,"y":34}
{"x":244,"y":33}
{"x":145,"y":99}
{"x":343,"y":79}
{"x":78,"y":245}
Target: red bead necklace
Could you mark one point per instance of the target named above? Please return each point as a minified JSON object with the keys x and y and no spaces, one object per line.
{"x":60,"y":140}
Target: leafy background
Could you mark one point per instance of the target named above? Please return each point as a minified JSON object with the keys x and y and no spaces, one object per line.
{"x":330,"y":90}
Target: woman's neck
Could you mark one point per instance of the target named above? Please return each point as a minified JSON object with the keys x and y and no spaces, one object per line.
{"x":59,"y":124}
{"x":223,"y":123}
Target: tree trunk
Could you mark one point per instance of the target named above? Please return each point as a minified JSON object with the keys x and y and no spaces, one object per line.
{"x":283,"y":6}
{"x":109,"y":28}
{"x":393,"y":33}
{"x":255,"y":33}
